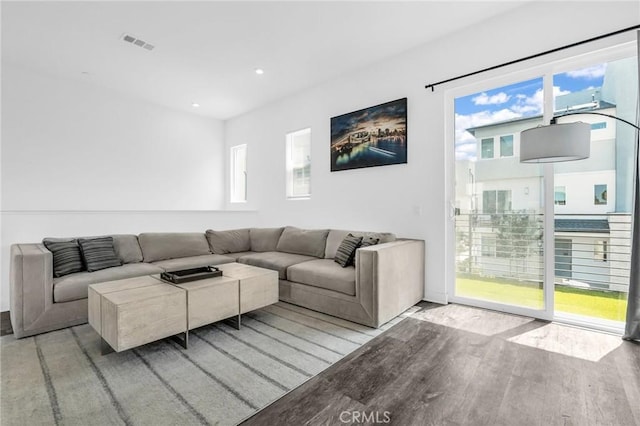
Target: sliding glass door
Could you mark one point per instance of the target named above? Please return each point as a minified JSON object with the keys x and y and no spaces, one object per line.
{"x":593,"y":202}
{"x":499,"y":204}
{"x":550,"y":241}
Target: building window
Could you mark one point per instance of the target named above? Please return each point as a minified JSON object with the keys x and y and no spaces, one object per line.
{"x":560,"y":196}
{"x":299,"y":164}
{"x":599,"y":194}
{"x":496,"y":201}
{"x":487,"y":148}
{"x":600,"y":251}
{"x":598,"y":126}
{"x":238,"y":168}
{"x":488,"y":246}
{"x":506,"y":146}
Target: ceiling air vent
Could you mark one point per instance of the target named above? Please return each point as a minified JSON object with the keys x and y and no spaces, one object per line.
{"x":128,"y":38}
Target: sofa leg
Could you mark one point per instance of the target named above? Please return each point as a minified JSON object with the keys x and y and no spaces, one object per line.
{"x":105,"y":348}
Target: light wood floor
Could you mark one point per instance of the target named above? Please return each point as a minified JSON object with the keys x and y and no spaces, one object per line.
{"x":455,"y":365}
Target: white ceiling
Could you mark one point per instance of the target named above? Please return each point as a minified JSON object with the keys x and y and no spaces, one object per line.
{"x":206,"y":52}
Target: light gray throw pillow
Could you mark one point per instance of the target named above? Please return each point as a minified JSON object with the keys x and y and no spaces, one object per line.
{"x":310,"y":242}
{"x":231,"y":241}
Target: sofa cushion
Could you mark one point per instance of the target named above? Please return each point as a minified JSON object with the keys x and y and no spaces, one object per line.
{"x":98,"y":253}
{"x":347,"y":250}
{"x":193,"y":262}
{"x":264,"y":239}
{"x":336,"y":236}
{"x":324,"y":273}
{"x":172,"y":245}
{"x":309,"y":242}
{"x":232,"y":241}
{"x":275,"y":261}
{"x":75,"y":286}
{"x":238,"y":255}
{"x":67,"y":258}
{"x":127,"y":248}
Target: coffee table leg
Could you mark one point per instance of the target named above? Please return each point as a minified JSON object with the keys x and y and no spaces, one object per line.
{"x":182,"y":339}
{"x":235,"y":322}
{"x":105,"y":348}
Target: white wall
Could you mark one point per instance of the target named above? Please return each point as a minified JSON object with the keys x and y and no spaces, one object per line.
{"x":408,"y":199}
{"x":72,"y":145}
{"x":78,"y":159}
{"x":579,"y":188}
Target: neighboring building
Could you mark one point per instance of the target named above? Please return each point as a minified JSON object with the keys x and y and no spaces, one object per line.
{"x":504,"y":198}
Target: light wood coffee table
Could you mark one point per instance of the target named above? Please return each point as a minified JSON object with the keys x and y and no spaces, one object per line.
{"x":135,"y":311}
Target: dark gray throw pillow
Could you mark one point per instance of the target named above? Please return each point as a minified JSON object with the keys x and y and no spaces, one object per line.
{"x":366,"y":242}
{"x":98,"y":253}
{"x":347,"y":250}
{"x":66,"y":256}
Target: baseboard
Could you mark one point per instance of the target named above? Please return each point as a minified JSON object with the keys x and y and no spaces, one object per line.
{"x":436,"y":297}
{"x":5,"y":324}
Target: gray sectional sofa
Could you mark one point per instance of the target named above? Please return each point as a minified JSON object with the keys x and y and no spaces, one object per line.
{"x":386,"y":279}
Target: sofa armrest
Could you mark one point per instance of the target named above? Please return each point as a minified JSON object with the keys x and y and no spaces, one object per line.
{"x":31,"y":285}
{"x":390,"y":278}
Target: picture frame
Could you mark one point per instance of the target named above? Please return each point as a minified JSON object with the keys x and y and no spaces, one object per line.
{"x":370,"y":137}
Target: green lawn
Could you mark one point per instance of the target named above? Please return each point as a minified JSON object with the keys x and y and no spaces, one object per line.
{"x":609,"y":305}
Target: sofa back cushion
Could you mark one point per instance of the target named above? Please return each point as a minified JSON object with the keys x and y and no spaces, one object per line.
{"x":336,"y":236}
{"x":309,"y":242}
{"x":232,"y":241}
{"x":172,"y":245}
{"x":264,"y":239}
{"x":127,"y":248}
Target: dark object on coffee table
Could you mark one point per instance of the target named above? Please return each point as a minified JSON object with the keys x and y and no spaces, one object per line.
{"x":192,"y":274}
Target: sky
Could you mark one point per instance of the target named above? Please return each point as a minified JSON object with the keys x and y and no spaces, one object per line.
{"x":524,"y":99}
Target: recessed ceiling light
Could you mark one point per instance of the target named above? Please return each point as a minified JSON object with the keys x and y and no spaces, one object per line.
{"x":259,"y":71}
{"x":195,"y":105}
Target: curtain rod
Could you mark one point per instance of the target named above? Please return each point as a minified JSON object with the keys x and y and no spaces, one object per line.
{"x":433,"y":85}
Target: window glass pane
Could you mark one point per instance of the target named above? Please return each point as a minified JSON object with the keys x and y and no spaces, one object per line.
{"x":499,"y":211}
{"x":594,"y":279}
{"x":560,"y":196}
{"x":600,"y":194}
{"x":600,"y":251}
{"x":299,"y":164}
{"x":504,"y":201}
{"x":488,"y":202}
{"x":506,"y":146}
{"x":487,"y":148}
{"x":238,"y":166}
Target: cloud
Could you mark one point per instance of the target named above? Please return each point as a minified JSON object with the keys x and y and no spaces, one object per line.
{"x":521,"y":106}
{"x":484,"y":99}
{"x":588,"y":73}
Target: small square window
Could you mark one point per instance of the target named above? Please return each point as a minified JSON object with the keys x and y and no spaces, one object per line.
{"x":506,"y":146}
{"x":600,"y":251}
{"x":600,"y":195}
{"x":487,"y":148}
{"x":560,"y":196}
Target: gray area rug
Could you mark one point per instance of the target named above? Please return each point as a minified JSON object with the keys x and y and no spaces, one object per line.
{"x":225,"y":376}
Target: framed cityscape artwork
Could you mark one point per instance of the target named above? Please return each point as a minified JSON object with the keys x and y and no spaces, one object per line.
{"x":374,"y":136}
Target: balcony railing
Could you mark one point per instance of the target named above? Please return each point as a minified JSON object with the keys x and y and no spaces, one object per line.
{"x":591,"y":251}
